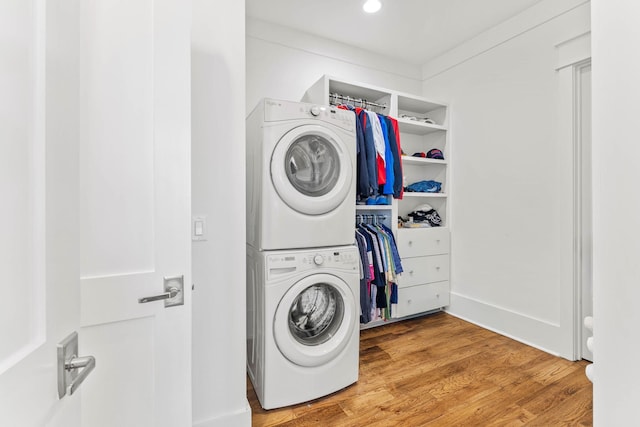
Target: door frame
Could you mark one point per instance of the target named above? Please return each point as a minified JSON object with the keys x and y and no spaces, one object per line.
{"x":573,"y":55}
{"x":578,"y":206}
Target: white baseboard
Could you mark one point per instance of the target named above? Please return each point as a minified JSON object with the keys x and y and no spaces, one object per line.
{"x":534,"y":332}
{"x":235,"y":419}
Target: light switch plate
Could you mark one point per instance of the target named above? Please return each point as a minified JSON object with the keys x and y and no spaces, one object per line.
{"x":199,"y":228}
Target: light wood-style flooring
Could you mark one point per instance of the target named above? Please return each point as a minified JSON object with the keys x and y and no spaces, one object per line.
{"x":439,"y":370}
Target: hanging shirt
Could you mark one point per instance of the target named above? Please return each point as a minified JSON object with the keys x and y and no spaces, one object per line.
{"x":378,"y":266}
{"x":370,"y":151}
{"x":398,"y":189}
{"x":387,"y":188}
{"x":362,"y":182}
{"x":394,"y":250}
{"x":392,"y":186}
{"x":365,"y":301}
{"x":378,"y":139}
{"x":372,"y":303}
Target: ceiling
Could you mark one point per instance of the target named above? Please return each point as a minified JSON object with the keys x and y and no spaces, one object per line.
{"x":414,"y":31}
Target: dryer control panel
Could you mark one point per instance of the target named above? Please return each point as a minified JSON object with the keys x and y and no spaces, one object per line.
{"x":344,"y":259}
{"x":276,"y":110}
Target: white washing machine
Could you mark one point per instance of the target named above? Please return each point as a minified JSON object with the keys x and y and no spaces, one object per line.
{"x":301,"y":174}
{"x":302,"y":323}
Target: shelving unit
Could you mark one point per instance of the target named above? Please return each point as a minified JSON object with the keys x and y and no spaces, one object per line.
{"x":424,"y":286}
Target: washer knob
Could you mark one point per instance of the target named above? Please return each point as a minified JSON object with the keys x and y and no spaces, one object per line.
{"x":318,"y":259}
{"x":315,"y":110}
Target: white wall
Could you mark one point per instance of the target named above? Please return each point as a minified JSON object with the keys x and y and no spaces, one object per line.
{"x":511,"y":184}
{"x":283,"y":63}
{"x":616,"y":242}
{"x":218,"y":185}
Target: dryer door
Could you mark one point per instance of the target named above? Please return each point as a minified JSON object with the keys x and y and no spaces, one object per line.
{"x":314,"y":320}
{"x":312,"y":170}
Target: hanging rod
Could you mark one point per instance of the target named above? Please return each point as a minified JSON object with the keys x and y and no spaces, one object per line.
{"x":363,"y":218}
{"x":337,"y":99}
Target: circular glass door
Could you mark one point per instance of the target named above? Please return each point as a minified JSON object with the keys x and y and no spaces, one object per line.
{"x":316,"y":314}
{"x":314,"y":320}
{"x":311,"y":169}
{"x":312,"y":165}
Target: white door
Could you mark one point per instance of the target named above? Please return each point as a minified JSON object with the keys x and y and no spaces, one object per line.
{"x":134,"y":131}
{"x":116,"y":205}
{"x":40,"y":302}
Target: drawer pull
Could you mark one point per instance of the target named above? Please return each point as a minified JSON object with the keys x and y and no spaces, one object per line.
{"x":411,"y":273}
{"x":410,"y":242}
{"x":438,"y":267}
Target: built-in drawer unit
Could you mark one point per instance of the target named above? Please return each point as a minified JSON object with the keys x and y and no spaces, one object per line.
{"x":421,"y":298}
{"x":414,"y":242}
{"x":424,"y":284}
{"x":426,"y":269}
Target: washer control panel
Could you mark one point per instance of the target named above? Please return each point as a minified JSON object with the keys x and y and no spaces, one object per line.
{"x":331,"y":258}
{"x":345,"y":259}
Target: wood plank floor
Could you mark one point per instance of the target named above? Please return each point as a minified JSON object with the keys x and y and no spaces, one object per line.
{"x":439,"y":370}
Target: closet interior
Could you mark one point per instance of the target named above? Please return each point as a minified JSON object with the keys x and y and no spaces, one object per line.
{"x":418,"y":217}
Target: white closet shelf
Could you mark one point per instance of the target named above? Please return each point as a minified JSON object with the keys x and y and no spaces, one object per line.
{"x":408,"y":229}
{"x":357,"y":89}
{"x":417,"y":104}
{"x":418,"y":128}
{"x":409,"y":160}
{"x":424,"y":195}
{"x":373,"y":207}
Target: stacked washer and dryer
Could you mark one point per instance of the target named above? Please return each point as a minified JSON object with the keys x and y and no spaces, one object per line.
{"x":302,"y":265}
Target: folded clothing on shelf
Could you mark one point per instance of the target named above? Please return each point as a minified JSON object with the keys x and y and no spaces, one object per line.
{"x":378,"y":200}
{"x":428,"y":186}
{"x":425,"y":214}
{"x":418,"y":119}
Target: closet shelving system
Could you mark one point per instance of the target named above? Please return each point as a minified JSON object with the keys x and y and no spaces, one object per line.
{"x":425,"y":252}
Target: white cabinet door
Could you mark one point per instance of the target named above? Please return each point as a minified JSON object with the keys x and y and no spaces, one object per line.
{"x":134,"y":130}
{"x":94,"y":178}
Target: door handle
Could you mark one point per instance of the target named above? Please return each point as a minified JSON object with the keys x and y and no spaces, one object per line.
{"x":87,"y":363}
{"x":72,"y":370}
{"x":173,"y":293}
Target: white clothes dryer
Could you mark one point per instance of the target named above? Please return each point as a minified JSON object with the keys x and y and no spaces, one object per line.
{"x":301,"y":174}
{"x":302,"y":323}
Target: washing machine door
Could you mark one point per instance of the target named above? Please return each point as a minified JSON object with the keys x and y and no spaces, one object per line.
{"x":311,"y":169}
{"x":315,"y":319}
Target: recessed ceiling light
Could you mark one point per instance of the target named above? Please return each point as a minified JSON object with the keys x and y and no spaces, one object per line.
{"x":372,"y":6}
